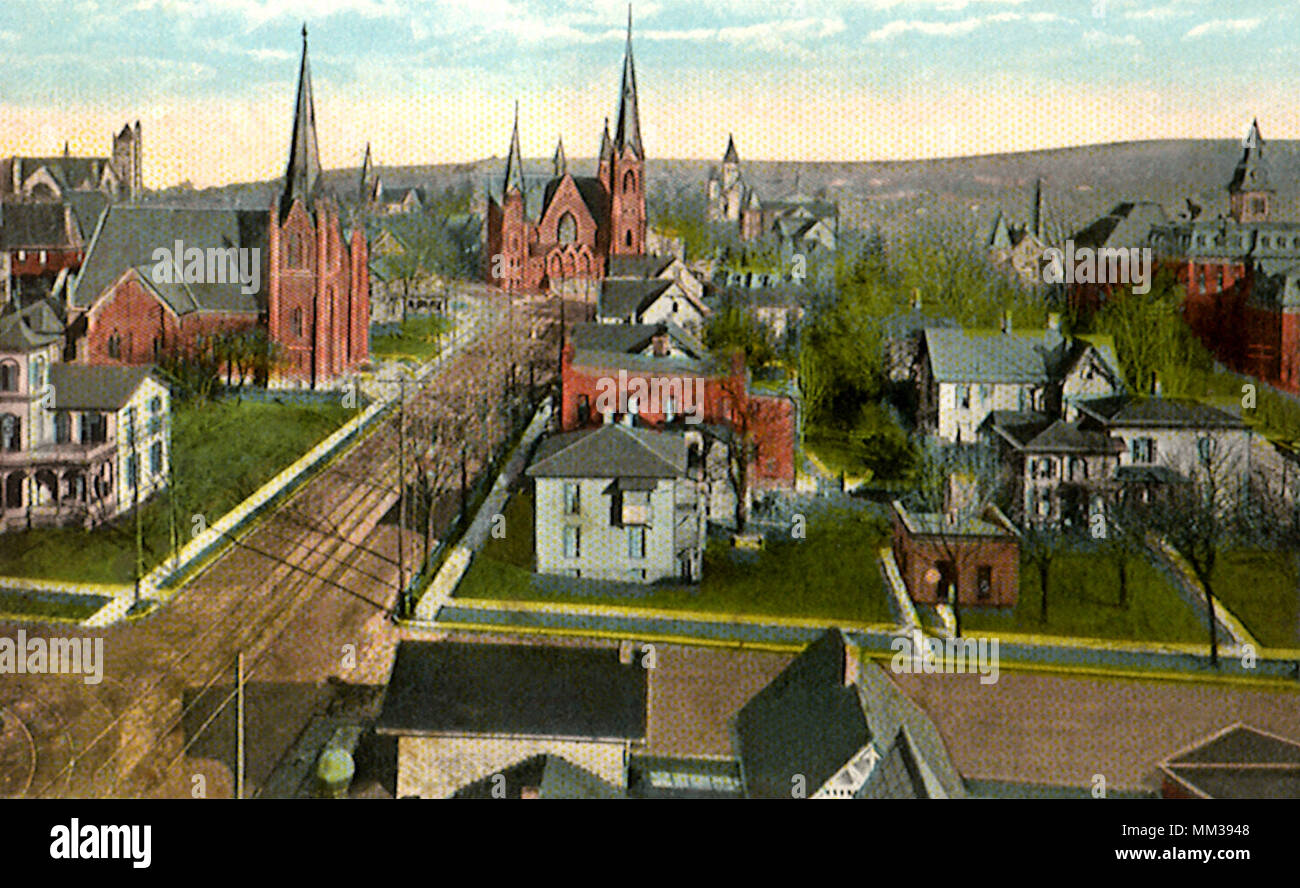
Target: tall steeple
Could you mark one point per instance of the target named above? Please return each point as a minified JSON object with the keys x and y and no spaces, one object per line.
{"x":731,"y":155}
{"x":515,"y":162}
{"x":1036,"y":211}
{"x":302,"y":176}
{"x":627,"y":133}
{"x":561,"y":164}
{"x":367,"y":168}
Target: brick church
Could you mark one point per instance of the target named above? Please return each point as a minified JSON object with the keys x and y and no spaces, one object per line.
{"x":310,"y":293}
{"x":560,"y":238}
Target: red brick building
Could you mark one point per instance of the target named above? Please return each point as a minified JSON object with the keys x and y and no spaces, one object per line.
{"x":292,"y":270}
{"x":979,"y":556}
{"x":681,"y":381}
{"x":561,"y":238}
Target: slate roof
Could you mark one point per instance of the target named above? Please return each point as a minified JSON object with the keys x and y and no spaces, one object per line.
{"x":94,"y":387}
{"x":1060,"y":436}
{"x":976,"y":355}
{"x":1127,"y":225}
{"x":129,"y":235}
{"x":1124,"y":411}
{"x":645,"y":266}
{"x":514,"y":689}
{"x":69,"y":172}
{"x":611,"y":451}
{"x":805,"y":722}
{"x":936,"y":523}
{"x":590,"y":189}
{"x":622,"y":297}
{"x":631,"y":338}
{"x":897,"y":775}
{"x":33,"y":225}
{"x":1239,"y":762}
{"x":30,"y":328}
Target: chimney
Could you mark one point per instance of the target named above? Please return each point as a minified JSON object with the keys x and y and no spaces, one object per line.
{"x":916,"y":299}
{"x":530,"y":792}
{"x":659,"y":344}
{"x":625,"y":652}
{"x":852,"y":664}
{"x":1054,"y":321}
{"x":1006,"y":321}
{"x":1156,"y":388}
{"x":960,"y":494}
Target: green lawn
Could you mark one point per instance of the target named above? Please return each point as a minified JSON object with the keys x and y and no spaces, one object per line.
{"x":46,"y":606}
{"x":222,"y":452}
{"x":418,"y":341}
{"x":1083,"y":601}
{"x":831,"y":574}
{"x":1262,"y":589}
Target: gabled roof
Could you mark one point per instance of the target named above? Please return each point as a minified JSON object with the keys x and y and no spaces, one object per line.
{"x":33,"y":226}
{"x":514,"y":689}
{"x":29,"y":329}
{"x":129,"y":235}
{"x":1239,"y":762}
{"x":1055,"y":437}
{"x":624,"y":297}
{"x":1126,"y":411}
{"x":976,"y":355}
{"x":1127,"y":225}
{"x":646,"y":266}
{"x":590,"y":189}
{"x":95,"y":387}
{"x":805,"y":722}
{"x":611,"y":451}
{"x":632,"y":338}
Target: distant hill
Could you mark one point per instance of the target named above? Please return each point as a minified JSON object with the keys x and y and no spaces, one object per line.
{"x":960,"y":194}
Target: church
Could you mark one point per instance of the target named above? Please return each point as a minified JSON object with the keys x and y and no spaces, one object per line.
{"x":561,"y":237}
{"x":311,"y":298}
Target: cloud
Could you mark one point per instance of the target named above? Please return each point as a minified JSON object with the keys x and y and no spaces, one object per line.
{"x":1222,"y":26}
{"x":1104,"y":38}
{"x":958,"y":27}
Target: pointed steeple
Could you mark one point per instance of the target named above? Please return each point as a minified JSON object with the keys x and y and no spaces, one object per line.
{"x":367,"y":169}
{"x":561,"y":164}
{"x":1251,"y":173}
{"x":731,"y":155}
{"x":302,"y":176}
{"x":515,"y":162}
{"x":627,"y":133}
{"x":606,"y":144}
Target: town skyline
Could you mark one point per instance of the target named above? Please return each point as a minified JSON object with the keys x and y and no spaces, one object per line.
{"x":436,"y":82}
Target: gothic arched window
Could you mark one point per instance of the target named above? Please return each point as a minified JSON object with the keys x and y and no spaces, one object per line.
{"x":568,"y":229}
{"x":629,"y":180}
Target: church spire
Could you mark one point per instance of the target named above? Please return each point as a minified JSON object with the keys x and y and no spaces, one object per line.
{"x":515,"y":162}
{"x":731,"y":155}
{"x":627,"y":133}
{"x":1251,"y":174}
{"x":302,"y":176}
{"x":561,"y":164}
{"x":367,"y":173}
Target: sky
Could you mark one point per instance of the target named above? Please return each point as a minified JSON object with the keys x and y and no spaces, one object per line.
{"x":431,"y":81}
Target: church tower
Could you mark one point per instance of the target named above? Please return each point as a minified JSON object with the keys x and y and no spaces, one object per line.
{"x":626,"y":169}
{"x":1248,"y":192}
{"x":318,"y":303}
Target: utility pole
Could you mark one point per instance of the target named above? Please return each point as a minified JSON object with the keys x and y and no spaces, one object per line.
{"x":135,"y":503}
{"x":401,"y":482}
{"x":239,"y":725}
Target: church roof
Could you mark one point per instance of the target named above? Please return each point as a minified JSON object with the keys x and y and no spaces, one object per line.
{"x":731,"y":155}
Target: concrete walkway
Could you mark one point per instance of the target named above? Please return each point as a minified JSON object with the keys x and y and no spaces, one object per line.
{"x":458,"y":559}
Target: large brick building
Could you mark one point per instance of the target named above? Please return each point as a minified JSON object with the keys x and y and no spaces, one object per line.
{"x":308,"y":286}
{"x":560,"y":238}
